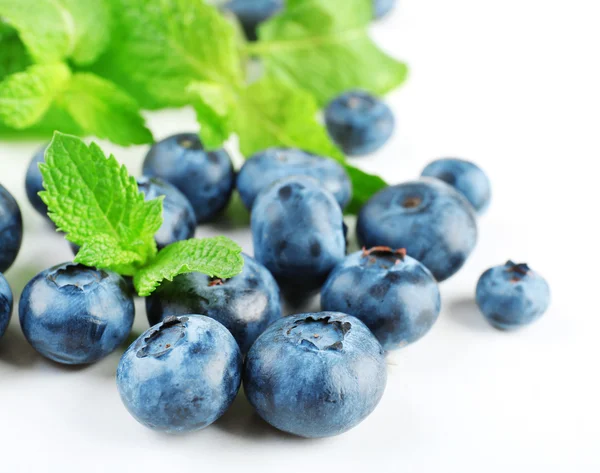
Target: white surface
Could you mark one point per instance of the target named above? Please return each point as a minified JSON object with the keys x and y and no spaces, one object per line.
{"x":512,"y":85}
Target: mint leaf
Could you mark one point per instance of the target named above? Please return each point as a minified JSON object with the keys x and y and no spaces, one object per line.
{"x":54,"y":119}
{"x":264,"y":114}
{"x":159,"y":46}
{"x":13,"y":56}
{"x":271,"y":113}
{"x":101,"y":109}
{"x":214,"y":106}
{"x":216,"y":257}
{"x":323,"y":46}
{"x":364,"y":186}
{"x":94,"y":200}
{"x":54,"y":30}
{"x":26,"y":96}
{"x":46,"y":98}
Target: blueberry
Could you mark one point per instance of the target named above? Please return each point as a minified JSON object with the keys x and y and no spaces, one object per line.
{"x":435,"y":224}
{"x":11,"y":229}
{"x":383,"y":7}
{"x":74,"y":315}
{"x":359,"y":122}
{"x":205,"y":178}
{"x":34,"y":182}
{"x":512,"y":295}
{"x":264,"y":168}
{"x":466,"y":177}
{"x":298,"y":234}
{"x":245,"y":304}
{"x":315,"y":375}
{"x":180,"y":375}
{"x":179,"y":220}
{"x":393,"y":294}
{"x":6,"y":304}
{"x":252,"y":13}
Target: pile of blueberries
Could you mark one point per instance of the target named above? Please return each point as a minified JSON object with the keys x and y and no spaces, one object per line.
{"x":312,"y":374}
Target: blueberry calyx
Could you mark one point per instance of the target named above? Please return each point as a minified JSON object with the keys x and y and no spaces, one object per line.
{"x":188,"y":143}
{"x":354,"y":102}
{"x":73,"y":275}
{"x":215,"y":282}
{"x":399,"y":253}
{"x":519,"y":270}
{"x":162,"y":339}
{"x":319,"y":333}
{"x":411,"y":202}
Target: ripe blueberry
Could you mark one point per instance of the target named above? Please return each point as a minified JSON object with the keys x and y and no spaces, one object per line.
{"x":435,"y":224}
{"x":393,"y":294}
{"x":206,"y":178}
{"x":315,"y":375}
{"x":512,"y":295}
{"x":73,"y":314}
{"x":359,"y":122}
{"x":180,"y":375}
{"x":266,"y":167}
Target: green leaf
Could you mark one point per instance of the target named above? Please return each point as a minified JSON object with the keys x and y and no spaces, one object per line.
{"x":214,"y":106}
{"x":217,"y":257}
{"x":264,"y":114}
{"x":323,"y":46}
{"x":159,"y":46}
{"x":271,"y":113}
{"x":13,"y":56}
{"x":54,"y":30}
{"x":95,"y":201}
{"x":46,"y":98}
{"x":26,"y":96}
{"x":364,"y":186}
{"x":55,"y":119}
{"x":101,"y":109}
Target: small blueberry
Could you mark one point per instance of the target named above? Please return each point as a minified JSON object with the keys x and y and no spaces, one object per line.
{"x":359,"y":122}
{"x":466,"y":177}
{"x":512,"y":295}
{"x":206,"y":178}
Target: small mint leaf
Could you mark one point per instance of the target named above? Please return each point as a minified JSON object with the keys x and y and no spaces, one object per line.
{"x":94,"y":200}
{"x":216,"y":257}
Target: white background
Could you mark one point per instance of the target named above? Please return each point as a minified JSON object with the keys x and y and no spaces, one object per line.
{"x":512,"y":85}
